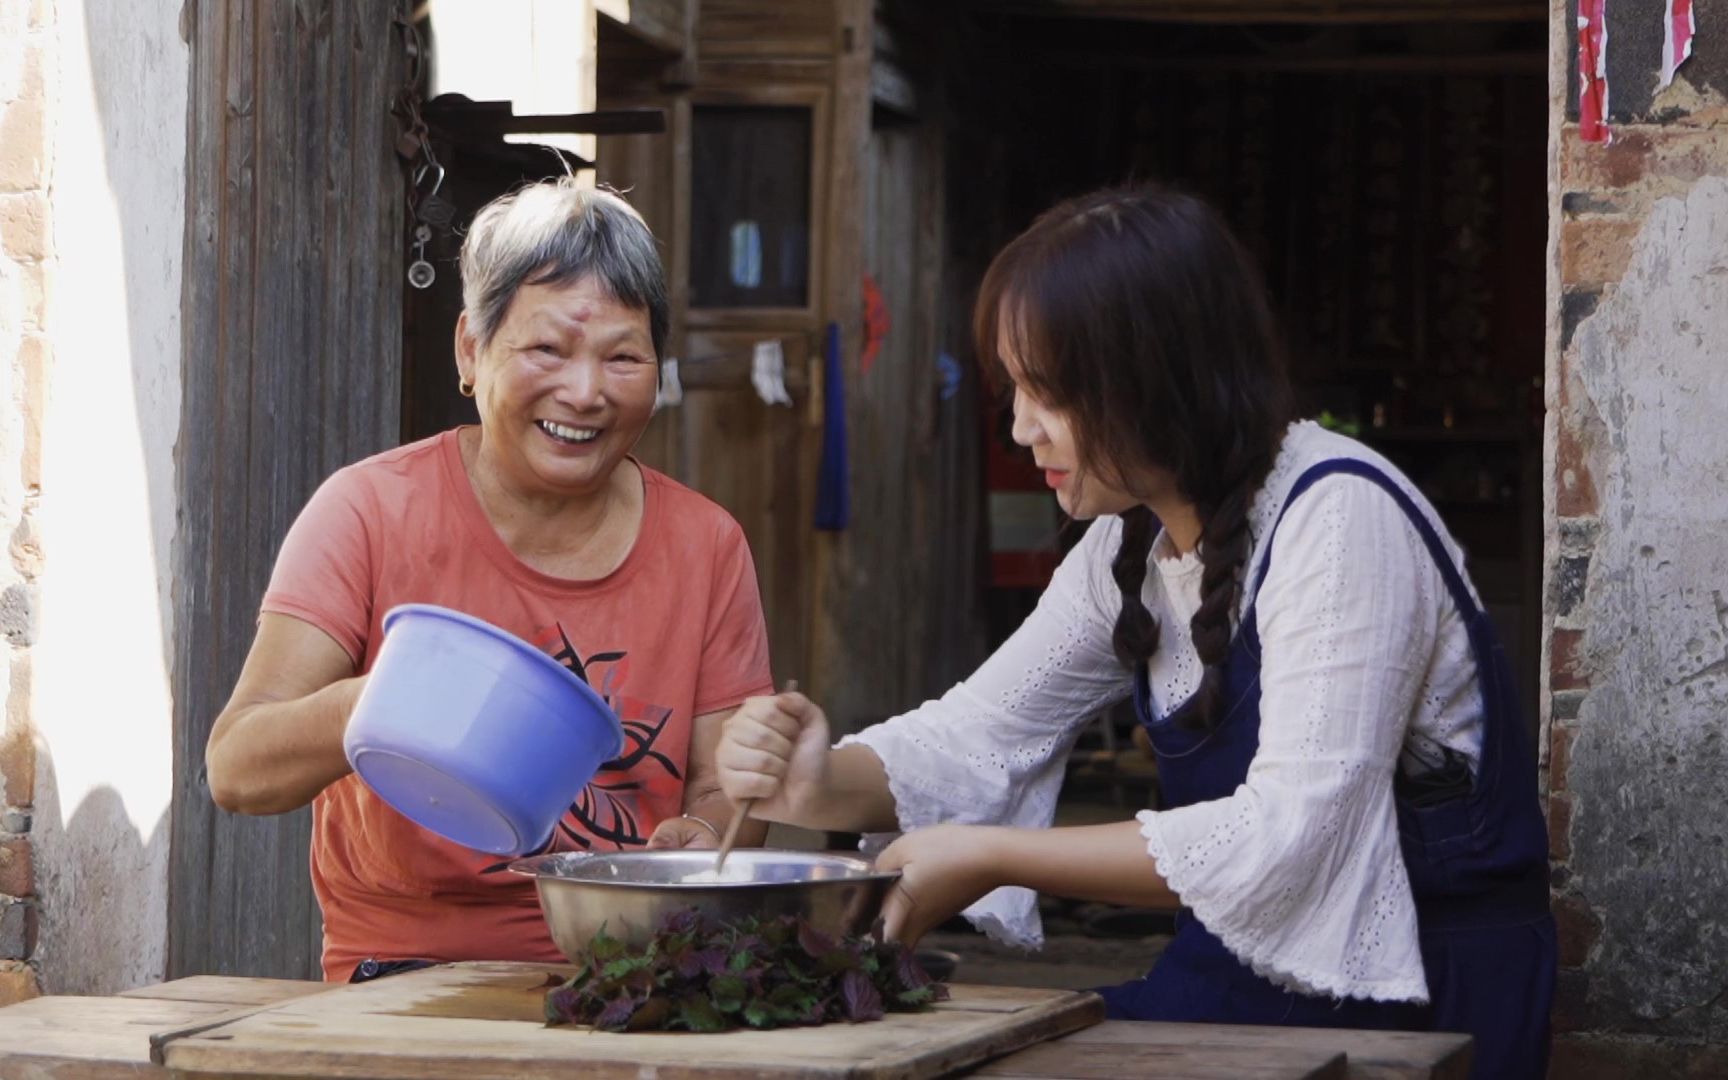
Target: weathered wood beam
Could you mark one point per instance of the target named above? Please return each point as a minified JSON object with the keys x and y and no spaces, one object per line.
{"x":1276,"y":11}
{"x":1462,"y":64}
{"x":496,"y":118}
{"x":291,"y":369}
{"x":659,"y":24}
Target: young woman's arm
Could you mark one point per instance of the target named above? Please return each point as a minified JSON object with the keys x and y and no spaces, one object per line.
{"x":990,"y":751}
{"x":775,"y":750}
{"x":946,"y":869}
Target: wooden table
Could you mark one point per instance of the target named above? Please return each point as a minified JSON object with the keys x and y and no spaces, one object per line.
{"x":100,"y":1038}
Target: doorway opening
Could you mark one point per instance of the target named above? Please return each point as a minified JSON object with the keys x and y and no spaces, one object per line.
{"x":1381,"y":173}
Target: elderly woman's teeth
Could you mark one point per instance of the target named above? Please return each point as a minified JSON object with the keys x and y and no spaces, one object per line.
{"x":568,"y":434}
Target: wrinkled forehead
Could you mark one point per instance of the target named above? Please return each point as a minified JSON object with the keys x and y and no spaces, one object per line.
{"x":576,"y":309}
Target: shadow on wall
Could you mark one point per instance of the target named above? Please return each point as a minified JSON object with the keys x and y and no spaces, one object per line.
{"x":103,"y":891}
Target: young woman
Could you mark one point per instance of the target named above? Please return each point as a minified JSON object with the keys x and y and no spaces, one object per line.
{"x":1350,"y":825}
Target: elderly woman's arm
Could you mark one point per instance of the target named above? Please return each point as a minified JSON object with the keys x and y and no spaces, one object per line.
{"x":706,"y":806}
{"x":278,"y":743}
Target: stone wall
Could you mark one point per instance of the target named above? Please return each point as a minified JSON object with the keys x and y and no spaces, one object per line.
{"x":27,"y":70}
{"x":1636,"y":612}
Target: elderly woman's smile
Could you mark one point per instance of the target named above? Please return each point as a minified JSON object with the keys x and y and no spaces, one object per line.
{"x":564,"y":389}
{"x":566,"y":434}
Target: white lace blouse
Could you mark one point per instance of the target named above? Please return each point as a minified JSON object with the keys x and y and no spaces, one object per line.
{"x":1365,"y":662}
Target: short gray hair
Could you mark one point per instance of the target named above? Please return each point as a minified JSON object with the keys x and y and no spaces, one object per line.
{"x":555,"y":233}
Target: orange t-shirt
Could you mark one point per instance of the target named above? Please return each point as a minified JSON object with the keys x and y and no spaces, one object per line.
{"x":675,"y":632}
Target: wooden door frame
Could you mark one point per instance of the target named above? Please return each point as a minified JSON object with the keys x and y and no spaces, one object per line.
{"x":823,"y":78}
{"x":291,"y":360}
{"x":731,"y":86}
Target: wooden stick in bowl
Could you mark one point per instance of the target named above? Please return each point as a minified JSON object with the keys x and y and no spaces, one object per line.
{"x":730,"y":840}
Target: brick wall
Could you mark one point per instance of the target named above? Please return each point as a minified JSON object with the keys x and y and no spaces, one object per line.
{"x":26,"y":76}
{"x":1636,"y":607}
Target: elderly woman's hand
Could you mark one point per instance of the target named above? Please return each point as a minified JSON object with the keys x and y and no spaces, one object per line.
{"x":685,"y":831}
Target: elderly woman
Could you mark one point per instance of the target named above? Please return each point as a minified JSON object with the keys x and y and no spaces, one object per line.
{"x":540,"y":522}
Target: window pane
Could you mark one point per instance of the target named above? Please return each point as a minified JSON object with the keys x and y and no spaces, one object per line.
{"x":750,"y":207}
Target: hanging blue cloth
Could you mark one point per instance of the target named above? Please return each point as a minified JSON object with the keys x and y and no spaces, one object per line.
{"x":833,"y":491}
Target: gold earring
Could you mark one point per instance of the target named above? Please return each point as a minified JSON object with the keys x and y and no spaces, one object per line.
{"x":464,"y":387}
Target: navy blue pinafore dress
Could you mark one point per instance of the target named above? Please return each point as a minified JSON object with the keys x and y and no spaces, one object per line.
{"x":1476,"y":852}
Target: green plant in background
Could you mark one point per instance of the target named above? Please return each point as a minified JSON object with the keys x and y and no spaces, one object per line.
{"x":1351,"y":427}
{"x":699,"y":975}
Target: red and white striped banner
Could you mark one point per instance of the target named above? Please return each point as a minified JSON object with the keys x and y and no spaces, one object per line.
{"x":1678,"y":28}
{"x":1593,"y":71}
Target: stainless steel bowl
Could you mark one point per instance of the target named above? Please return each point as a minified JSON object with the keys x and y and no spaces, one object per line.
{"x":632,"y":893}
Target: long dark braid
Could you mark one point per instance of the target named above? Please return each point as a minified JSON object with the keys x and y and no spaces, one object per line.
{"x":1225,"y":544}
{"x":1135,"y":638}
{"x":1136,"y":314}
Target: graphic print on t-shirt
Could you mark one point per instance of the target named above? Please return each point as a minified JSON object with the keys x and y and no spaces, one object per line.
{"x":610,"y":808}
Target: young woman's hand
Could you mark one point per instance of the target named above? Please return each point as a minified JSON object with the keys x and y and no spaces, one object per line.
{"x":775,"y":750}
{"x":944,"y":870}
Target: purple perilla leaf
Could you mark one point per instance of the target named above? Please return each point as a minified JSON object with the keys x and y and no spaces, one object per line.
{"x":814,"y":941}
{"x":860,"y":997}
{"x":757,"y":972}
{"x":697,"y":1013}
{"x":616,"y":1015}
{"x":777,"y":933}
{"x":639,"y":983}
{"x":910,"y":972}
{"x":713,"y":959}
{"x":728,"y":992}
{"x":686,"y":963}
{"x":563,"y":1006}
{"x":759,"y":1014}
{"x":650,"y":1015}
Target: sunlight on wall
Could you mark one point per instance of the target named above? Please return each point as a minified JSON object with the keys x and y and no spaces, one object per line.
{"x":103,"y":705}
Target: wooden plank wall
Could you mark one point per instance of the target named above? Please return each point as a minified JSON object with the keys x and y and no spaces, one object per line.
{"x":756,"y":460}
{"x":292,"y":316}
{"x":972,"y":229}
{"x":832,"y":668}
{"x":873,"y":618}
{"x":785,"y":29}
{"x":664,"y":24}
{"x":882,"y":571}
{"x":898,"y":614}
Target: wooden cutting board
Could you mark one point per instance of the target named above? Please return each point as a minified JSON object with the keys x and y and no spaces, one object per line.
{"x":64,"y":1037}
{"x":89,"y":1038}
{"x":480,"y":1021}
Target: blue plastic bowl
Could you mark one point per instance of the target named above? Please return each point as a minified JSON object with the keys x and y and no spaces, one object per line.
{"x":475,"y":734}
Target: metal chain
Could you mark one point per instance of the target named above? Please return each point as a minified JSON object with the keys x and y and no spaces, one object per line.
{"x":414,"y":147}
